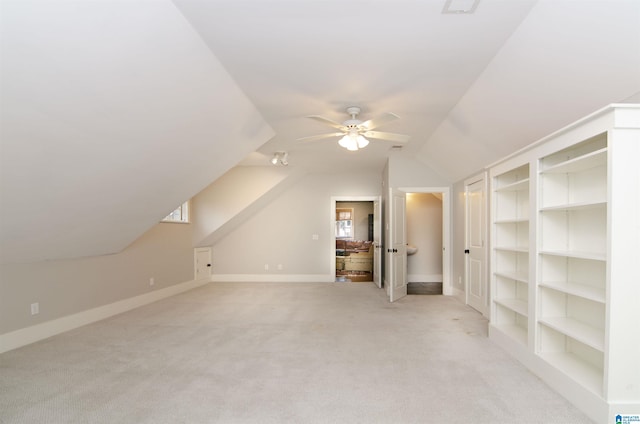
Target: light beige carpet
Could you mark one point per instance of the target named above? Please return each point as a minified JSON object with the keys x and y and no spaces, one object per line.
{"x":278,"y":353}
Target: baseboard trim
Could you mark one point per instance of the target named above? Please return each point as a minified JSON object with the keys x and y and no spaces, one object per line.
{"x":424,"y":278}
{"x":274,"y":278}
{"x":458,"y":294}
{"x":28,"y":335}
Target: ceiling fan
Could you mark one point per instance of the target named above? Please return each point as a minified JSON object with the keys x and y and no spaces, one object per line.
{"x":353,"y":131}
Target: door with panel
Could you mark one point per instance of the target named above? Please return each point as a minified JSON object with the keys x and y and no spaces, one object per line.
{"x":202,"y":263}
{"x":475,"y":234}
{"x":397,"y":251}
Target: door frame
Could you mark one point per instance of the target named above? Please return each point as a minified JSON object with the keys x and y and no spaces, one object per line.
{"x":447,"y":288}
{"x":485,"y":228}
{"x":332,"y":239}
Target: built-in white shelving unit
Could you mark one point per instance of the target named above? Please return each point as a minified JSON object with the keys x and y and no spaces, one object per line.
{"x":565,"y":279}
{"x":573,"y":255}
{"x":511,"y":252}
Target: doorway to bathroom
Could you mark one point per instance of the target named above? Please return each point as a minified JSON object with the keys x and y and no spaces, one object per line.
{"x":425,"y":242}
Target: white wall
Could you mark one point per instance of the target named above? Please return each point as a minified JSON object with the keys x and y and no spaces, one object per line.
{"x":406,"y":171}
{"x":229,"y":195}
{"x":282,"y":232}
{"x":424,"y":231}
{"x":66,"y":287}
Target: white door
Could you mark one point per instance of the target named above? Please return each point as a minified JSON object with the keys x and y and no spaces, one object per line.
{"x":475,"y":229}
{"x":377,"y":242}
{"x":202,"y":263}
{"x":397,"y":246}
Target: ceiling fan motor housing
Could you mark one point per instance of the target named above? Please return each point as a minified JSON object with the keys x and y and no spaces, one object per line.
{"x":351,"y":123}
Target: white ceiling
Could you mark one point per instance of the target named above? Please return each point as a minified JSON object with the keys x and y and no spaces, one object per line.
{"x":115,"y":112}
{"x":469,"y":88}
{"x":300,"y":58}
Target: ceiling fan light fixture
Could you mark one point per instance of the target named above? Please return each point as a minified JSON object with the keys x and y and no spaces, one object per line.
{"x":362,"y":142}
{"x":352,"y":131}
{"x":353,"y":141}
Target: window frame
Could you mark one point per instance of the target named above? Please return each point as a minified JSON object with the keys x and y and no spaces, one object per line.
{"x":184,"y":215}
{"x":341,"y":223}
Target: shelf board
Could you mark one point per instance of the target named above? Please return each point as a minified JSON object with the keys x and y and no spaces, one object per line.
{"x":577,"y":330}
{"x":575,"y":254}
{"x":523,"y":278}
{"x":581,"y":163}
{"x":576,"y":289}
{"x":511,"y":221}
{"x":575,"y":206}
{"x":516,"y":305}
{"x":512,"y":249}
{"x":584,"y":373}
{"x":517,"y":186}
{"x":513,"y":331}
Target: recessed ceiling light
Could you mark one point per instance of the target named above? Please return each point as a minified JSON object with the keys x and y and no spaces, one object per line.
{"x":460,"y":6}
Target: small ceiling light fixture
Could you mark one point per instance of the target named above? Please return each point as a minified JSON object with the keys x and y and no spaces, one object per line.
{"x":281,"y":158}
{"x":460,"y":6}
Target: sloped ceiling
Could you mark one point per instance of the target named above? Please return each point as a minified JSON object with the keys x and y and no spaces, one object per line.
{"x":308,"y":57}
{"x":114,"y":112}
{"x":566,"y":60}
{"x":469,"y":88}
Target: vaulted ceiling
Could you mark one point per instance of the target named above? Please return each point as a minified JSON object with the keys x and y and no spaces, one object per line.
{"x":115,"y":112}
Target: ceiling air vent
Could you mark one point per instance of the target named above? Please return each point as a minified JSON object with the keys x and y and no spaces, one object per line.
{"x":460,"y":6}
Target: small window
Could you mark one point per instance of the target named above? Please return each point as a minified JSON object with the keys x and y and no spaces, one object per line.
{"x":181,"y":214}
{"x":344,"y":223}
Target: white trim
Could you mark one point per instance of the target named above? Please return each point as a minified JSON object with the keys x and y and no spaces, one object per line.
{"x":274,"y":278}
{"x":458,"y":294}
{"x":25,"y":336}
{"x":424,"y":278}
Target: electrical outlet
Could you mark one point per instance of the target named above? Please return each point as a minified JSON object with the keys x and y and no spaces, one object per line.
{"x":266,"y":267}
{"x":35,"y":308}
{"x":151,"y":281}
{"x":315,"y":237}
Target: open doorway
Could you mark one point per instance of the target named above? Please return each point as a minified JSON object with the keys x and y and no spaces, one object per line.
{"x":354,"y":246}
{"x":396,"y":276}
{"x":424,"y":228}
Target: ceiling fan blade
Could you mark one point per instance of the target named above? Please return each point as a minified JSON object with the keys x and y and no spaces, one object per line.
{"x":328,"y":121}
{"x":398,"y":138}
{"x":374,"y":123}
{"x":321,"y":136}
